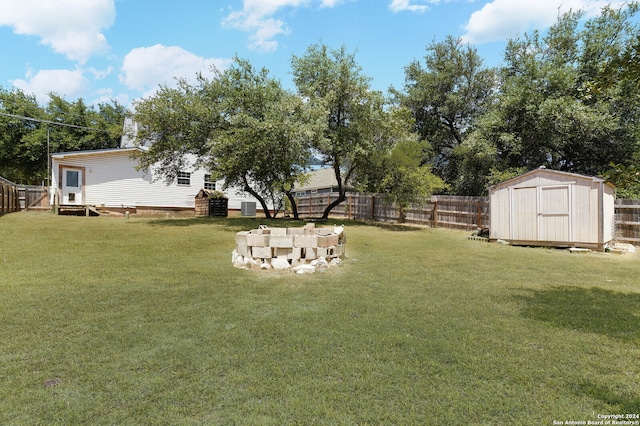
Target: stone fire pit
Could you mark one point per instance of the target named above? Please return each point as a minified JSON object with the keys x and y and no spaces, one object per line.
{"x":301,"y":250}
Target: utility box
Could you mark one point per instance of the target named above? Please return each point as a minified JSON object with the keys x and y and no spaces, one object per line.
{"x":248,"y":208}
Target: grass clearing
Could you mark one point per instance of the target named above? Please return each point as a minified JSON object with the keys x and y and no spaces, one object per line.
{"x":109,"y":321}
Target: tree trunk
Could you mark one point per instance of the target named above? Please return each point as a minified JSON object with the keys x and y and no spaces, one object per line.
{"x":294,"y":206}
{"x":341,"y":198}
{"x":341,"y":190}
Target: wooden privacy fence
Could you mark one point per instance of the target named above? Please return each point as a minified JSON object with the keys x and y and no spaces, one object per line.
{"x":33,"y":197}
{"x":441,"y":211}
{"x":446,"y":212}
{"x":14,"y":197}
{"x":628,"y":221}
{"x":9,"y":197}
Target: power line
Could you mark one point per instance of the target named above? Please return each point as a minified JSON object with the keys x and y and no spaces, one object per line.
{"x":39,"y":120}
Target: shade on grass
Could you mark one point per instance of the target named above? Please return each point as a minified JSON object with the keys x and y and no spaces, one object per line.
{"x":145,"y":321}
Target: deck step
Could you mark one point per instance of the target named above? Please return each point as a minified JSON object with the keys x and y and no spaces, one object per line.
{"x":69,"y":210}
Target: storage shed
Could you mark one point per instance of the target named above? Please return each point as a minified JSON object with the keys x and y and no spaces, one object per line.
{"x":553,"y":208}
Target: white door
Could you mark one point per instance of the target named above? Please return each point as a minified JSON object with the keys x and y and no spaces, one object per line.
{"x":524,"y":218}
{"x":541,"y":213}
{"x":554,"y":214}
{"x":72,"y":179}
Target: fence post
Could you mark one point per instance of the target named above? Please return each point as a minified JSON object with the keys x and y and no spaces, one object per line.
{"x":373,"y":207}
{"x":435,"y":214}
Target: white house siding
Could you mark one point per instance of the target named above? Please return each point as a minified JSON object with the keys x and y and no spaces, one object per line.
{"x":111,"y":180}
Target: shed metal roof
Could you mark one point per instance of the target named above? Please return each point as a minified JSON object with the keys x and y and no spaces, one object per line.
{"x":548,"y":172}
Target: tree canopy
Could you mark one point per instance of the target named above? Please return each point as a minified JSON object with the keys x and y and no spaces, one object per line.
{"x":361,"y":127}
{"x":446,"y":97}
{"x":241,"y":125}
{"x":565,"y":98}
{"x":26,"y":127}
{"x":557,"y":105}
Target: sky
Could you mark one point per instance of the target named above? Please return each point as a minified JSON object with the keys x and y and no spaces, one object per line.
{"x":122,"y":50}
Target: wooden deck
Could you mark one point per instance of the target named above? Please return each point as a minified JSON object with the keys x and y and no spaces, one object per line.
{"x":73,"y":210}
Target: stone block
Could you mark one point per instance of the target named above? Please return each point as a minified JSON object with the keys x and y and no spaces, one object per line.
{"x":295,"y":253}
{"x":243,"y":250}
{"x":280,"y":264}
{"x":340,"y":250}
{"x":304,"y":269}
{"x":261,"y":252}
{"x":326,"y":251}
{"x":266,"y":264}
{"x":310,"y":253}
{"x":295,"y":231}
{"x":306,"y":241}
{"x":285,"y":241}
{"x":324,"y":231}
{"x":327,"y":240}
{"x":257,"y":240}
{"x":241,"y":237}
{"x":280,"y":251}
{"x":278,"y":231}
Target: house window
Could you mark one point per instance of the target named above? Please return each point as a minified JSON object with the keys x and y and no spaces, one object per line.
{"x":208,"y":183}
{"x":184,"y":178}
{"x":73,"y":179}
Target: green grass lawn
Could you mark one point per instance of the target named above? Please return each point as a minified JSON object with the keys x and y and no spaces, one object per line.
{"x":145,"y":321}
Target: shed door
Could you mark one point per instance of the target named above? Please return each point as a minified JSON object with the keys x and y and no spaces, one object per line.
{"x":541,"y":214}
{"x":524,"y":217}
{"x":554,"y":214}
{"x":72,"y":179}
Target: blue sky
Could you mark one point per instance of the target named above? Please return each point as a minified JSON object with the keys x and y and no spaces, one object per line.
{"x":100,"y":50}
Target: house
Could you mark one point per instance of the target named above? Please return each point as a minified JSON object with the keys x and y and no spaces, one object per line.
{"x":109,"y":178}
{"x":553,"y":208}
{"x":320,"y":181}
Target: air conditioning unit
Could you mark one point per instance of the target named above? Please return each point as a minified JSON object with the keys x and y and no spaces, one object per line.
{"x":248,"y":208}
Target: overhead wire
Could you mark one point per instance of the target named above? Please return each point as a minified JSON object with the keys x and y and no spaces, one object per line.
{"x":39,"y":120}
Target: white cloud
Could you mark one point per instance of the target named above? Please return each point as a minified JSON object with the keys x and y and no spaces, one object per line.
{"x":101,"y":74}
{"x":502,"y":19}
{"x":330,"y":3}
{"x":406,"y":5}
{"x":66,"y":83}
{"x":70,"y":27}
{"x":257,"y":18}
{"x":106,"y":96}
{"x":145,"y":68}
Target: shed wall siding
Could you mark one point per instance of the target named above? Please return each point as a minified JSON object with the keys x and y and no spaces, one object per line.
{"x":608,"y":213}
{"x":499,"y":223}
